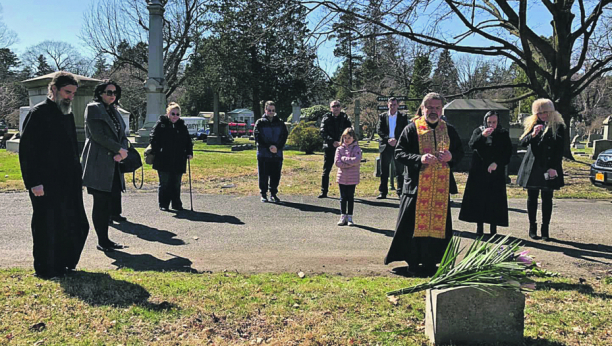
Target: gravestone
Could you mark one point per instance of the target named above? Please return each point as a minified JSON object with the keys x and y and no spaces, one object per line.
{"x":297,"y":112}
{"x":466,"y":315}
{"x":593,"y":136}
{"x":607,"y":123}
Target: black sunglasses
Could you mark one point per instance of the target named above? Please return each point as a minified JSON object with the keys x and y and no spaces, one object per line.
{"x":111,"y":92}
{"x":175,"y":114}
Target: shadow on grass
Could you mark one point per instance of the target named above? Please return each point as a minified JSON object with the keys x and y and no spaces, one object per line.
{"x":386,"y":232}
{"x":214,"y":151}
{"x":377,"y":203}
{"x":149,"y":233}
{"x":147,"y":262}
{"x":529,"y":341}
{"x":585,"y":289}
{"x":310,"y":207}
{"x":201,"y":216}
{"x":584,"y":251}
{"x":100,"y":289}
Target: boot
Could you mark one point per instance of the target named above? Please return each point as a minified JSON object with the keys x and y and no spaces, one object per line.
{"x":544,"y":231}
{"x":533,"y":231}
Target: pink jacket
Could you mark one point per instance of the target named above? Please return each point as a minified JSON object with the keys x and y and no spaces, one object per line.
{"x":348,"y":160}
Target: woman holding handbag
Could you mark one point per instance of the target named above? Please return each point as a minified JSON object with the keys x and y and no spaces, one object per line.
{"x":105,"y":146}
{"x":171,"y":146}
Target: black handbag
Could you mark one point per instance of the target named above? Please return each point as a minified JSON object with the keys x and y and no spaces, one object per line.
{"x":132,"y":162}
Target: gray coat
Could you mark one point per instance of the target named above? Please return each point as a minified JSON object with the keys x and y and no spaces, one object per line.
{"x":102,"y":142}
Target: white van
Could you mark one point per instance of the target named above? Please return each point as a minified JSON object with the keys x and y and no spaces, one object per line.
{"x":194,"y":124}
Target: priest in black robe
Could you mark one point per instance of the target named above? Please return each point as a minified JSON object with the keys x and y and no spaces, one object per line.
{"x":428,"y":148}
{"x":51,"y":170}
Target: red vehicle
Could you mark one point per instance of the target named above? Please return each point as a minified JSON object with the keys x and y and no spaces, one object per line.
{"x":233,"y":128}
{"x":241,"y":129}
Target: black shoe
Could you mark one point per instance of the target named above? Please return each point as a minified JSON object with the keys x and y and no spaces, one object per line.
{"x":118,"y":218}
{"x":323,"y":195}
{"x":403,"y":271}
{"x":178,"y":208}
{"x":275,"y":199}
{"x":264,"y":199}
{"x":381,"y":196}
{"x":533,"y":231}
{"x":110,"y":247}
{"x":163,"y":208}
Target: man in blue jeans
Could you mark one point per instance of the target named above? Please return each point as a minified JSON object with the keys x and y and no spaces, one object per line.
{"x":270,"y":135}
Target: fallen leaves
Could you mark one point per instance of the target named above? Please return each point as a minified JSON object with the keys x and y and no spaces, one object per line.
{"x":393,"y":300}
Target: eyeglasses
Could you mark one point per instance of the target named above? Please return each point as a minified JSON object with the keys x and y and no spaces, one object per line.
{"x":335,"y":106}
{"x":111,"y":92}
{"x":176,"y":114}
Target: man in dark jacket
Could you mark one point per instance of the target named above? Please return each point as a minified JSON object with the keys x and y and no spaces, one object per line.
{"x":332,"y":126}
{"x":51,"y":170}
{"x":270,"y":135}
{"x":389,"y":129}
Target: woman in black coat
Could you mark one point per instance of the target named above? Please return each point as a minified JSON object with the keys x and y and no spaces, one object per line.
{"x":541,"y":169}
{"x":105,"y":146}
{"x":485,"y":199}
{"x":172,"y":147}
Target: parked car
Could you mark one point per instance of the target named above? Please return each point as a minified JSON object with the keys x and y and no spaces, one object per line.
{"x":601,"y":170}
{"x":202,"y":133}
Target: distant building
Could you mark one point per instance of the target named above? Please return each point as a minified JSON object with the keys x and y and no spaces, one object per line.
{"x":242,"y":115}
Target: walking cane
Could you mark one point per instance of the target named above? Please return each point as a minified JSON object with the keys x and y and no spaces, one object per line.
{"x":190,"y":196}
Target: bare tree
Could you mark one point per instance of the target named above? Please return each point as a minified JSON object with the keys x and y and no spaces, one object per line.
{"x":7,"y":36}
{"x":579,"y":44}
{"x":61,"y":56}
{"x":109,"y":23}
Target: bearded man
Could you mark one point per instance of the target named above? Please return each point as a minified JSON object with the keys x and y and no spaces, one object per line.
{"x":428,"y":147}
{"x":51,"y":170}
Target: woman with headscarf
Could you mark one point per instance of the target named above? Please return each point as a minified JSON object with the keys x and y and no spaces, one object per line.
{"x":105,"y":146}
{"x":485,"y":199}
{"x":172,"y":147}
{"x":541,"y":170}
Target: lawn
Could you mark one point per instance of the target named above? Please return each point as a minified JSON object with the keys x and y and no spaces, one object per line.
{"x":216,"y":169}
{"x":152,"y":308}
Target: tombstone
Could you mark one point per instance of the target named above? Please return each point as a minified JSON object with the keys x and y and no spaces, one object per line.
{"x":23,"y":112}
{"x":297,"y":112}
{"x":607,"y":123}
{"x":599,"y":146}
{"x":572,"y":129}
{"x":576,"y":143}
{"x":593,"y":136}
{"x":467,"y":315}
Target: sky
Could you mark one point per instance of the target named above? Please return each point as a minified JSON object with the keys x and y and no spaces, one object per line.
{"x":31,"y":20}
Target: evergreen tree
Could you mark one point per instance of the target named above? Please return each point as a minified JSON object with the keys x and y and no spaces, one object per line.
{"x":100,"y":67}
{"x":42,"y":67}
{"x":421,"y":81}
{"x":445,"y":79}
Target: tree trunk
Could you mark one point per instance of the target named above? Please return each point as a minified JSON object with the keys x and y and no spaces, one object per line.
{"x":564,"y":106}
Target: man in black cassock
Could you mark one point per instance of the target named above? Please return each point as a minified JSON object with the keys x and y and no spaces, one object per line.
{"x":424,"y":225}
{"x":51,"y":170}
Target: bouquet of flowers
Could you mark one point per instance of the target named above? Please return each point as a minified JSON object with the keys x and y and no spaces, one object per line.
{"x":497,"y":263}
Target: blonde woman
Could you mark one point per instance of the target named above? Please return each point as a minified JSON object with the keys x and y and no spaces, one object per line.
{"x":541,"y":169}
{"x":172,"y":146}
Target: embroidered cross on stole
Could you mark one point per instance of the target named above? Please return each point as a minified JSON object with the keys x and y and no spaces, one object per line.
{"x":434,"y":181}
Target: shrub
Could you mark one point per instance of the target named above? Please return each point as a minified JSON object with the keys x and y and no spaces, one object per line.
{"x":306,"y":137}
{"x":314,"y":113}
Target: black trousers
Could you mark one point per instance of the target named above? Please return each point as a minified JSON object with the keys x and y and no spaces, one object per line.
{"x":169,"y":190}
{"x":532,"y":205}
{"x":386,"y":157}
{"x":347,"y":198}
{"x":328,"y":163}
{"x":102,"y":207}
{"x":269,"y":174}
{"x":116,"y":208}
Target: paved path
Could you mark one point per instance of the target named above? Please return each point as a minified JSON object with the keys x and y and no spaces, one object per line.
{"x":243,"y":234}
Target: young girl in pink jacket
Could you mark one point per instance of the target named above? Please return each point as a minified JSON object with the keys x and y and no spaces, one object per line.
{"x":348,"y":160}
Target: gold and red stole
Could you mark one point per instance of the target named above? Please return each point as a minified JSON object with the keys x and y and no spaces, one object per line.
{"x":434,"y":179}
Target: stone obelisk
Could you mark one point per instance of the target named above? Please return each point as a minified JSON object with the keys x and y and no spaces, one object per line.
{"x":155,"y":85}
